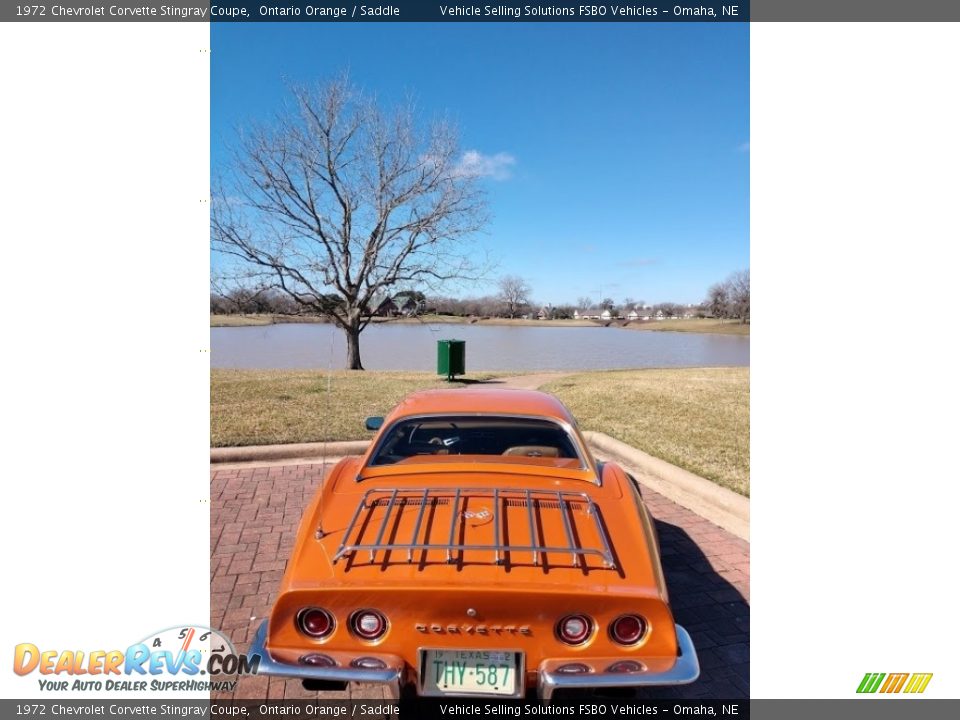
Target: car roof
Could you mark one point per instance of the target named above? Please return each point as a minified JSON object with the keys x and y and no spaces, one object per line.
{"x":488,"y":401}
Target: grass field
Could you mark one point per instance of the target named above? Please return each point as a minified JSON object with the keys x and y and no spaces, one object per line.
{"x":252,"y":320}
{"x":695,"y":325}
{"x":266,"y":407}
{"x":698,"y":419}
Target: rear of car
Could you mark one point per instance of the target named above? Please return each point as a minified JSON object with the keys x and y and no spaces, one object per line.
{"x":476,"y":550}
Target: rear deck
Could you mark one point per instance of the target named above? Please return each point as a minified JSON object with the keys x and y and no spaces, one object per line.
{"x":501,"y":526}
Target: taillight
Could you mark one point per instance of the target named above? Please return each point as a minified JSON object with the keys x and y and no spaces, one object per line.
{"x":574,"y":629}
{"x":573,"y":669}
{"x":368,"y":663}
{"x":318,"y":660}
{"x":368,"y":624}
{"x":625,"y":667}
{"x":315,"y":622}
{"x":628,"y":629}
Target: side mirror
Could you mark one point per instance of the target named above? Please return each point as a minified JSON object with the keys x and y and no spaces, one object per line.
{"x":373,"y":423}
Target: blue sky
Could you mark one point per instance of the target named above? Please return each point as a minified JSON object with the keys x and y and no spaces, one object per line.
{"x":618,"y":153}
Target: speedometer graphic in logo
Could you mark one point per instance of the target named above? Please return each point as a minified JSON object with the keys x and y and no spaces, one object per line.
{"x":189,"y":648}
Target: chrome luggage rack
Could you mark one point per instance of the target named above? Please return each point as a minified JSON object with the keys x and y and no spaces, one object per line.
{"x":537,"y":502}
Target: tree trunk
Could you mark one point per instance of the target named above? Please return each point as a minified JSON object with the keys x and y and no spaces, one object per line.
{"x":353,"y":347}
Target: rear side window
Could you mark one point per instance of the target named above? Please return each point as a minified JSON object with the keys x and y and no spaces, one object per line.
{"x":509,"y":439}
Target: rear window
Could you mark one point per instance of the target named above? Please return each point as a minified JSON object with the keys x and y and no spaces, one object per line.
{"x":508,"y":439}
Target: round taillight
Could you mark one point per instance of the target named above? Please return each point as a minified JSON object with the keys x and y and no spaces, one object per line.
{"x":622,"y":667}
{"x":368,"y":624}
{"x":628,"y":629}
{"x":315,"y":622}
{"x":318,"y":660}
{"x":573,"y":669}
{"x":574,"y":629}
{"x":368,"y":663}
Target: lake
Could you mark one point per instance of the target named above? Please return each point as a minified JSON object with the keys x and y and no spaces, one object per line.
{"x":489,"y":347}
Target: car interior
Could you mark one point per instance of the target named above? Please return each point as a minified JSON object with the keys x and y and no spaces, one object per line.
{"x":487,"y":436}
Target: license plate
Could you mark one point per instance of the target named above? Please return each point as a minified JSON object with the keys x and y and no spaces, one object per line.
{"x":471,"y":672}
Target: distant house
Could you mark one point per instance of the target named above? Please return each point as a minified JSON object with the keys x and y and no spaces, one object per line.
{"x":545,"y":313}
{"x":592,"y":314}
{"x":391,"y":308}
{"x":410,"y":307}
{"x":388,"y":308}
{"x":639,"y":314}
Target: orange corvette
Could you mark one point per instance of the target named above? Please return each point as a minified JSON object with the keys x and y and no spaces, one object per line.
{"x":476,"y":549}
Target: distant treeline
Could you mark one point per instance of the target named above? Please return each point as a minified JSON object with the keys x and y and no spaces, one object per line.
{"x":729,"y":299}
{"x":272,"y":302}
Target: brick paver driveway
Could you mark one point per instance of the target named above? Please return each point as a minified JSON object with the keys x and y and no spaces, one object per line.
{"x":255,"y":512}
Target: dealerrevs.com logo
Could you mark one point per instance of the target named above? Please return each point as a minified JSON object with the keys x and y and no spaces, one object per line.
{"x":182,"y":658}
{"x":910,"y":683}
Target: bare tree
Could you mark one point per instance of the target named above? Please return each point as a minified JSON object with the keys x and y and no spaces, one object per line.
{"x":514,"y":293}
{"x":339,"y":197}
{"x":731,"y":298}
{"x":738,"y":290}
{"x":718,"y":300}
{"x":670,"y":309}
{"x":238,"y":297}
{"x":584,"y":303}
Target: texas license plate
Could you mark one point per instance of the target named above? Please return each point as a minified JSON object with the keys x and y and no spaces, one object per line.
{"x":471,"y":672}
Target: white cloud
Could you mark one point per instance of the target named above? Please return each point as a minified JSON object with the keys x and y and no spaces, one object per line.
{"x":475,"y":164}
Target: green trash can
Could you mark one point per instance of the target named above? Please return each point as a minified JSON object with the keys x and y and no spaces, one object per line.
{"x":451,"y":358}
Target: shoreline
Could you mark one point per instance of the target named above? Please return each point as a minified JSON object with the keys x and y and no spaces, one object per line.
{"x":694,"y":325}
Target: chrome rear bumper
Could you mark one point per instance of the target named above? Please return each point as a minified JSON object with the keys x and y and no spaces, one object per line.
{"x":684,"y":671}
{"x":390,"y":676}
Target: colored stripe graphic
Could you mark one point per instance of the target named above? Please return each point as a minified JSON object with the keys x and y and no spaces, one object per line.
{"x":918,"y":682}
{"x":894,"y":682}
{"x":870,"y":682}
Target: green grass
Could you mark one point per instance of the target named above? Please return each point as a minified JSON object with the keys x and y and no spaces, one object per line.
{"x":266,"y":407}
{"x":696,"y":418}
